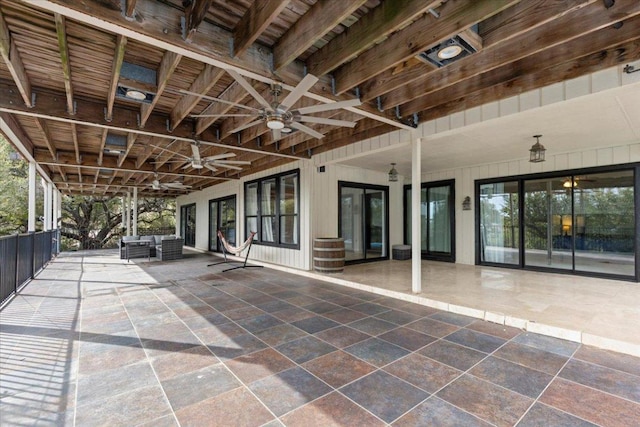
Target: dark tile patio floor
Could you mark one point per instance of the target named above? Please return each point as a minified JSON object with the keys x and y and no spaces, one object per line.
{"x":95,"y":341}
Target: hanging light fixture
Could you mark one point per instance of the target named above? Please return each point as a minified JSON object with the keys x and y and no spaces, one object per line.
{"x":536,"y":153}
{"x":393,"y":173}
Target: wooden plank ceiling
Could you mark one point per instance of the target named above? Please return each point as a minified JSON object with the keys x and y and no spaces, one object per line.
{"x":64,"y":61}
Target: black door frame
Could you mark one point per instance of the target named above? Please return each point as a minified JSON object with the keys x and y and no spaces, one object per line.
{"x":365,"y":187}
{"x":218,"y":215}
{"x":188,"y":235}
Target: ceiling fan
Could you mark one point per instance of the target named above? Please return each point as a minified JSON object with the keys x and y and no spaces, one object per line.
{"x":278,"y":115}
{"x":209,"y":162}
{"x":157,"y":185}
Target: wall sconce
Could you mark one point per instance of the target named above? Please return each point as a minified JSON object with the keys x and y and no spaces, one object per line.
{"x":466,"y":204}
{"x":393,"y":173}
{"x":536,"y":153}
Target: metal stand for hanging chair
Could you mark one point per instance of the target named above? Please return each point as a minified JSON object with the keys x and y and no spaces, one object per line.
{"x":227,"y":248}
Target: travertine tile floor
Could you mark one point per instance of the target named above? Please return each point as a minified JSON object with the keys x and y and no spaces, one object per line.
{"x":97,"y":341}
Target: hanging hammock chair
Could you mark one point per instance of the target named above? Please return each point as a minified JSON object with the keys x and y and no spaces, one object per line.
{"x":227,"y":248}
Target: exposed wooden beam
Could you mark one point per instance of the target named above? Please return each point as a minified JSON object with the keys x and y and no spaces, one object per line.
{"x":131,"y":139}
{"x":508,"y":24}
{"x":209,"y":45}
{"x":148,"y":150}
{"x":130,"y":9}
{"x":205,"y":81}
{"x":51,"y":106}
{"x":19,"y":132}
{"x":103,"y":140}
{"x":168,"y":65}
{"x":555,"y":74}
{"x":323,"y":17}
{"x":254,"y":21}
{"x":63,"y":47}
{"x":422,"y":34}
{"x":233,"y":93}
{"x":46,"y":137}
{"x":364,"y":33}
{"x":76,"y":146}
{"x":600,"y":41}
{"x":194,"y":14}
{"x":118,"y":57}
{"x":11,"y":57}
{"x":562,"y":30}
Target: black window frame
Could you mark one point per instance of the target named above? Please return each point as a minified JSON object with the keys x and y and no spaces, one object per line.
{"x":277,"y":215}
{"x":520,"y":179}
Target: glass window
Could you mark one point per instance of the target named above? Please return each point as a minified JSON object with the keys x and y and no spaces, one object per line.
{"x":272,"y":209}
{"x":577,"y":222}
{"x":499,"y":223}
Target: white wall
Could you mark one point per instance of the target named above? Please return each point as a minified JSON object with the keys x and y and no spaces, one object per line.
{"x":284,"y":256}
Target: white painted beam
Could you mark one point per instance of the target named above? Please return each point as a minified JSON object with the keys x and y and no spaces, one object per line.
{"x":416,"y":219}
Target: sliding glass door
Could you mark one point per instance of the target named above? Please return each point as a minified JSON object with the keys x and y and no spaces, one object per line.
{"x":363,"y":221}
{"x":579,"y":222}
{"x":222,"y":216}
{"x":188,"y":224}
{"x":437,"y":217}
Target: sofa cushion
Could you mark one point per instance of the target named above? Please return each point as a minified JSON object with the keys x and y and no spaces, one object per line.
{"x":130,"y":238}
{"x":169,"y":237}
{"x":150,"y":239}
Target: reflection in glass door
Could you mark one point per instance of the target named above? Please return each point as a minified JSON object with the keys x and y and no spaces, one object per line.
{"x":437,"y":220}
{"x":188,"y":224}
{"x":499,"y":223}
{"x":222,"y":216}
{"x":364,"y":221}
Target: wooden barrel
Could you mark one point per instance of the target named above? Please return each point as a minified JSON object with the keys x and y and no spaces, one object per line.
{"x":328,"y":254}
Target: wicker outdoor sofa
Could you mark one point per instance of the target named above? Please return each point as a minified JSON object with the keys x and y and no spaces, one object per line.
{"x":164,"y":248}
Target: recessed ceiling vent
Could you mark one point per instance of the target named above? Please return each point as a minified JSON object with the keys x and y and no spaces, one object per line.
{"x":115,"y":144}
{"x":448,"y":51}
{"x":137,"y":83}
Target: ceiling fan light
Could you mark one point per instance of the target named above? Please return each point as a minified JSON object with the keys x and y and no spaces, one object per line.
{"x":449,"y":52}
{"x":136,"y":94}
{"x":275,"y":123}
{"x":286,"y":129}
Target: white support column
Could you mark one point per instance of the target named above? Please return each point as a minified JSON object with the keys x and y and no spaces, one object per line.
{"x":123,"y":224}
{"x":32,"y":197}
{"x":55,"y":212}
{"x":416,"y":219}
{"x":49,"y":190}
{"x":128,"y":213}
{"x":135,"y":211}
{"x":46,"y":214}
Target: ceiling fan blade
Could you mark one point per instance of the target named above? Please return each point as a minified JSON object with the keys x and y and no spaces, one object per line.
{"x":220,"y":156}
{"x":224,"y":165}
{"x":307,"y":83}
{"x":222,"y":115}
{"x":170,"y":151}
{"x":211,"y":168}
{"x":232,"y":162}
{"x":323,"y":121}
{"x":211,"y":98}
{"x":330,"y":106}
{"x":247,"y":86}
{"x":246,"y":125}
{"x":306,"y":130}
{"x":195,"y":150}
{"x":276,"y":134}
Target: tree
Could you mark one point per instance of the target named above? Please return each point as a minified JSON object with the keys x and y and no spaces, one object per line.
{"x":14,"y":182}
{"x":91,"y":222}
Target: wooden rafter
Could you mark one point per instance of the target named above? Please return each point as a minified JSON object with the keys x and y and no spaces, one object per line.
{"x":103,"y":140}
{"x":324,"y":16}
{"x":205,"y":81}
{"x":118,"y":57}
{"x":130,"y":9}
{"x":194,"y":14}
{"x":11,"y":57}
{"x":46,"y":137}
{"x":255,"y":20}
{"x":63,"y":47}
{"x":168,"y":64}
{"x":602,"y":41}
{"x":131,"y":139}
{"x":76,"y":146}
{"x":364,"y":33}
{"x":422,"y":34}
{"x":564,"y":29}
{"x":233,"y":93}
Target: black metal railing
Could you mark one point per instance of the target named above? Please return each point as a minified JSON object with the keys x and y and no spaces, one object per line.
{"x":22,"y":256}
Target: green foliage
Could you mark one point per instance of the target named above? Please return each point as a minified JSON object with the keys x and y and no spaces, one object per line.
{"x":14,"y":174}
